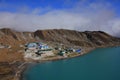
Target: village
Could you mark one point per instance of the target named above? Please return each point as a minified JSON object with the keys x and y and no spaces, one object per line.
{"x":41,"y":51}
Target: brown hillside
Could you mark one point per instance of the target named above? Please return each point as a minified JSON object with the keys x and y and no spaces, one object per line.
{"x":67,"y":37}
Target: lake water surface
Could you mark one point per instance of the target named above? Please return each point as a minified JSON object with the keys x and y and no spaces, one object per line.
{"x":100,"y":64}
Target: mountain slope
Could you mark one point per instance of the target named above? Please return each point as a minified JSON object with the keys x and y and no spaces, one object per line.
{"x":87,"y":38}
{"x":11,"y":58}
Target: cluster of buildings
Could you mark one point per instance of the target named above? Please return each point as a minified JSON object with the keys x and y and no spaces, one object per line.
{"x":39,"y":50}
{"x":36,"y":46}
{"x":67,"y":51}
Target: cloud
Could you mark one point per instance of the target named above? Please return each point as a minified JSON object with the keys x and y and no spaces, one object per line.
{"x":114,"y":26}
{"x":83,"y":16}
{"x":30,"y":22}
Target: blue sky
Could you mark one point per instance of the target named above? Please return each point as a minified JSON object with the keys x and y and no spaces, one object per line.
{"x":81,"y":15}
{"x":14,"y":5}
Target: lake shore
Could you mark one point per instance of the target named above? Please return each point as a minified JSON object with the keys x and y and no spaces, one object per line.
{"x":25,"y":65}
{"x":102,"y":61}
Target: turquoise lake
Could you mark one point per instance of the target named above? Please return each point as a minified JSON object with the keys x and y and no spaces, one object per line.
{"x":100,"y":64}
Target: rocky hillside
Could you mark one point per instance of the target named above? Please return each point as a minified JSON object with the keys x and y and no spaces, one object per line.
{"x":15,"y":39}
{"x":11,"y":42}
{"x":87,"y":38}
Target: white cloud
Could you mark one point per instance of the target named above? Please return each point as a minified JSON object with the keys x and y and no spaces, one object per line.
{"x":53,"y":19}
{"x":114,"y":27}
{"x":95,"y":16}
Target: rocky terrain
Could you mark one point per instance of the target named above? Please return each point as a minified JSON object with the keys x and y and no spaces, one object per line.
{"x":11,"y":57}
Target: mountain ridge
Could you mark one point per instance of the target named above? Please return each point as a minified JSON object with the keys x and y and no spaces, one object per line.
{"x":98,"y":38}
